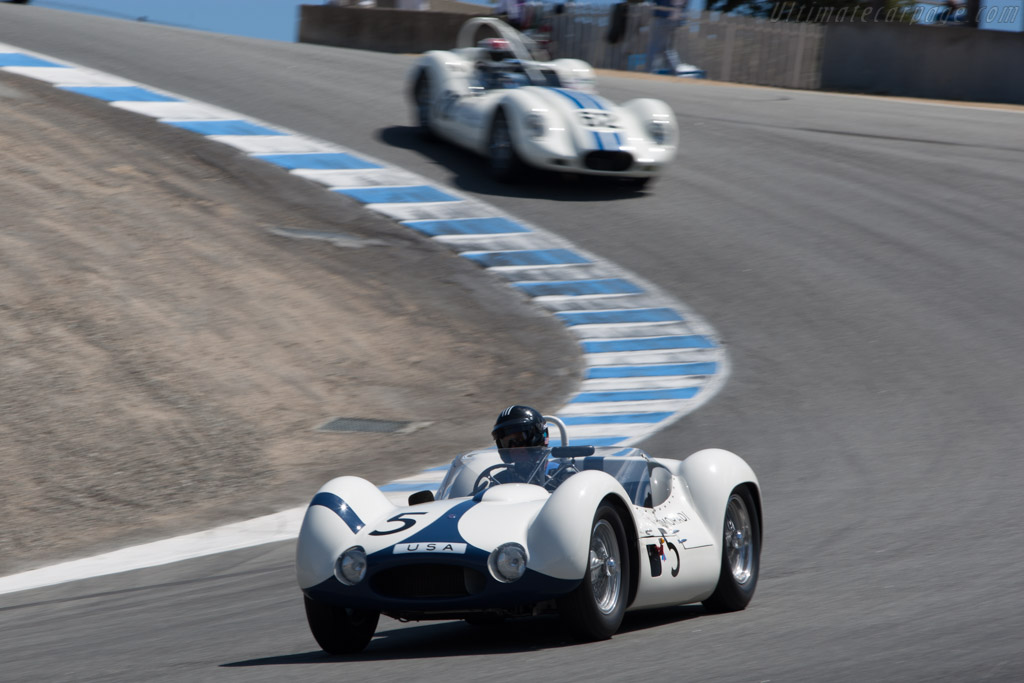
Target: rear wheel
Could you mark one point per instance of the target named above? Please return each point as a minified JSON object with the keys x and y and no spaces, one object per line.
{"x":595,"y":609}
{"x":741,"y":555}
{"x":340,"y":630}
{"x":501,"y":151}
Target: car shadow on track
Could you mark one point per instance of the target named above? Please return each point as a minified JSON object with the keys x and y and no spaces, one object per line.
{"x":471,"y":173}
{"x":456,"y":638}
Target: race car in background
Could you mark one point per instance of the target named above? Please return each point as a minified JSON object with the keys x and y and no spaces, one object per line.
{"x":495,"y":98}
{"x":587,"y":532}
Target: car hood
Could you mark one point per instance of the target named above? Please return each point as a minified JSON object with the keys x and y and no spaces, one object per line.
{"x":594,"y":122}
{"x":501,"y":515}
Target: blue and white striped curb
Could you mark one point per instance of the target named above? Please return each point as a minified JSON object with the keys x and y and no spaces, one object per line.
{"x":649,"y":359}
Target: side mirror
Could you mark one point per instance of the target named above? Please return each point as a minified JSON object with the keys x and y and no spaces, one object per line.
{"x":421,"y":497}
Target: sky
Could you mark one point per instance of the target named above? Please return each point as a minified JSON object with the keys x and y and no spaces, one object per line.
{"x":278,"y":19}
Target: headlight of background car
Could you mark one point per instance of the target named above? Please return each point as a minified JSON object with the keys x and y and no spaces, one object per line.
{"x":659,"y":130}
{"x":507,"y":562}
{"x":535,"y":125}
{"x":350,"y":567}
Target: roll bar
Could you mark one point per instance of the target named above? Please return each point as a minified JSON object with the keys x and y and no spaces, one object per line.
{"x":519,"y":44}
{"x":561,"y":428}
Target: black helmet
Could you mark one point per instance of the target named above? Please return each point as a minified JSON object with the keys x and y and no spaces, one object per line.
{"x":519,"y":426}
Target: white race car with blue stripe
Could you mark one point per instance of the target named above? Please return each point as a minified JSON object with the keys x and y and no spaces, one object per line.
{"x":587,"y":532}
{"x":496,"y":99}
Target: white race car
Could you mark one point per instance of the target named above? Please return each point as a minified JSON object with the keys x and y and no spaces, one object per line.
{"x":494,"y":98}
{"x":583,"y":531}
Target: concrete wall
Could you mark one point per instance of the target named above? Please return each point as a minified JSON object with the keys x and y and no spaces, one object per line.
{"x":941,"y":62}
{"x":383,"y":30}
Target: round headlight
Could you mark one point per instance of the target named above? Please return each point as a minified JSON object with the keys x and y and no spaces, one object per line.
{"x":350,"y":567}
{"x":535,"y":125}
{"x":658,"y":130}
{"x":507,"y":562}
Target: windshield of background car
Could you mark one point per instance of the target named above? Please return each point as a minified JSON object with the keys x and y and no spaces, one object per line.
{"x":474,"y":472}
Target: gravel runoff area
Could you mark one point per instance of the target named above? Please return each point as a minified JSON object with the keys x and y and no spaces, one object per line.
{"x":166,"y":358}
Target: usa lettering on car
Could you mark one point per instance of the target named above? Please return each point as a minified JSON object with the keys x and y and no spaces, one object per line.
{"x":440,"y":547}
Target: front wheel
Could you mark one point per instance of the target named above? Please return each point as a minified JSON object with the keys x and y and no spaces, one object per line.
{"x":501,"y":151}
{"x":340,"y":630}
{"x":741,"y":555}
{"x":421,"y":103}
{"x":595,"y":609}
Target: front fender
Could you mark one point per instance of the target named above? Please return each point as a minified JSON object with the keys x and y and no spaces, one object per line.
{"x":338,"y":511}
{"x":559,"y":539}
{"x":557,"y":142}
{"x":646,"y":109}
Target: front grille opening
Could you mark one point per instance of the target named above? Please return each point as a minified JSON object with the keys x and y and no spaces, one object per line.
{"x":607,"y":160}
{"x":428,"y":581}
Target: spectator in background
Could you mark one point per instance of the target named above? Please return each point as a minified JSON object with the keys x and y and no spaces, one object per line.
{"x":661,"y":54}
{"x":509,"y":11}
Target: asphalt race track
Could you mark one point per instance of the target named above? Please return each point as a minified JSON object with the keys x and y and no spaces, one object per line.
{"x":861,"y":259}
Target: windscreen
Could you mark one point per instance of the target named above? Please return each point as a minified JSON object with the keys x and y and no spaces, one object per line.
{"x":474,"y":472}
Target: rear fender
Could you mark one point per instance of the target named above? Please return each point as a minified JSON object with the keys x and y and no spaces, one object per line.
{"x":338,"y":511}
{"x":559,"y":539}
{"x":712,"y":475}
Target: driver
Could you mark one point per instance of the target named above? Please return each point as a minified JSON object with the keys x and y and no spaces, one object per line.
{"x":521,"y":435}
{"x":497,"y":64}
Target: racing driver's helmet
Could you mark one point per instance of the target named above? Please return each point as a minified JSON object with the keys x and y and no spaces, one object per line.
{"x":519,"y":427}
{"x":521,"y":436}
{"x":496,"y":49}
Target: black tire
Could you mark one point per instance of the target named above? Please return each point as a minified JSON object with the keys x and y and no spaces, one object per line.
{"x":506,"y":166}
{"x":595,"y":609}
{"x":340,"y":630}
{"x":741,"y":555}
{"x":421,"y":104}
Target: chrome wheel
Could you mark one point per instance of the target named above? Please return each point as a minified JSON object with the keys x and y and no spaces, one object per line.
{"x":738,"y":538}
{"x":594,"y":610}
{"x":741,"y":552}
{"x":605,"y":572}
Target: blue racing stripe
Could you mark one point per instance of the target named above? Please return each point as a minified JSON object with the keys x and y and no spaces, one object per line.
{"x":667,"y":370}
{"x":570,"y":95}
{"x":690,"y":341}
{"x":445,"y":528}
{"x":592,"y":100}
{"x":526,"y":257}
{"x":341,"y":508}
{"x":579,"y":287}
{"x":128,"y":93}
{"x":617,"y":418}
{"x":224,"y":127}
{"x":637,"y":395}
{"x":413,"y":194}
{"x":318,"y":161}
{"x":635,"y":315}
{"x":19,"y":59}
{"x":466,"y":226}
{"x":582,"y":100}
